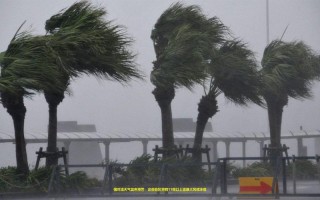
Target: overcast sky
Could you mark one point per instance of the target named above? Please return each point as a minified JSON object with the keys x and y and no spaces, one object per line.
{"x":114,"y":107}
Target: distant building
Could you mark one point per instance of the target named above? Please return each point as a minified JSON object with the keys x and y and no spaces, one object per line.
{"x":73,"y":126}
{"x":188,"y":125}
{"x":81,"y":152}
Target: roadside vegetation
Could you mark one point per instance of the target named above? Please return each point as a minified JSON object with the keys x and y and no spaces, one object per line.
{"x":38,"y":181}
{"x":141,"y":172}
{"x":304,"y":170}
{"x":144,"y":171}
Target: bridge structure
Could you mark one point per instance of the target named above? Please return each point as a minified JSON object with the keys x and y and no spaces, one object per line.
{"x":183,"y":135}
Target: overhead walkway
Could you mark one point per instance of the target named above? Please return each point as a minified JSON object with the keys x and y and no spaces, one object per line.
{"x":180,"y":137}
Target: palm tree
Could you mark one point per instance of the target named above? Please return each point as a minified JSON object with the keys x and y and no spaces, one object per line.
{"x":288,"y":69}
{"x":183,"y":40}
{"x":46,"y":63}
{"x":233,"y":72}
{"x":98,"y":48}
{"x":26,"y":65}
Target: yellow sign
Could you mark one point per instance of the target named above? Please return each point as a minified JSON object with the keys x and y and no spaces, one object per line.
{"x":255,"y":185}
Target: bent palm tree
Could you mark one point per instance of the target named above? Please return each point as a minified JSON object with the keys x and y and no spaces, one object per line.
{"x":232,"y":71}
{"x":26,"y":65}
{"x":97,"y":47}
{"x":288,"y":69}
{"x":183,"y":40}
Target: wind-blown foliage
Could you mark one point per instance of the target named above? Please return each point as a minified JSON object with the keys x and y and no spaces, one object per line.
{"x":288,"y":69}
{"x":87,"y":44}
{"x":233,"y":72}
{"x":27,"y":65}
{"x":30,"y":64}
{"x":183,"y":40}
{"x":92,"y":46}
{"x":81,"y":42}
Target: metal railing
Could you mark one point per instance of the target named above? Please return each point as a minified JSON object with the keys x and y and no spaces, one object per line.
{"x":279,"y":173}
{"x":181,"y":179}
{"x":147,"y":179}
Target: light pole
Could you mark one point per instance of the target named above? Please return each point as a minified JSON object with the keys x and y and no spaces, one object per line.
{"x":267,"y":20}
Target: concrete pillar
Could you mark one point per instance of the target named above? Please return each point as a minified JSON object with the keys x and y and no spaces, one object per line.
{"x":107,"y":151}
{"x":227,"y":148}
{"x":214,"y":151}
{"x":261,"y":146}
{"x":145,"y":146}
{"x":244,"y":153}
{"x":300,"y":147}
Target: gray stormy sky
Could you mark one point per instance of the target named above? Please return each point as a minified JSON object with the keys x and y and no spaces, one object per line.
{"x":113,"y":107}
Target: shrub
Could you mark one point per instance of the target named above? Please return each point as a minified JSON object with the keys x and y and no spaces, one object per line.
{"x":11,"y":181}
{"x":305,"y":169}
{"x":256,"y":169}
{"x":38,"y":181}
{"x":78,"y":181}
{"x":140,"y":171}
{"x":144,"y":172}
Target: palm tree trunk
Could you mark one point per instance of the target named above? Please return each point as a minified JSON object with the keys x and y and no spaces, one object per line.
{"x":17,"y":110}
{"x":52,"y":135}
{"x":164,"y":97}
{"x":167,"y":126}
{"x":275,"y":110}
{"x":207,"y":108}
{"x":275,"y":120}
{"x":53,"y":100}
{"x":201,"y":125}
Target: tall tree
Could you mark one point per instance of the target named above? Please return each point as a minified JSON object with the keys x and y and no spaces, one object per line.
{"x":98,"y":48}
{"x":233,"y":72}
{"x":183,"y":40}
{"x":26,"y":65}
{"x":288,"y":69}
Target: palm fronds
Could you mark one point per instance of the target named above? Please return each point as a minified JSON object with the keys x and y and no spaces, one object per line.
{"x":2,"y":56}
{"x":28,"y":63}
{"x":89,"y":44}
{"x":81,"y":16}
{"x":233,"y":70}
{"x":288,"y":68}
{"x":81,"y":43}
{"x":184,"y":39}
